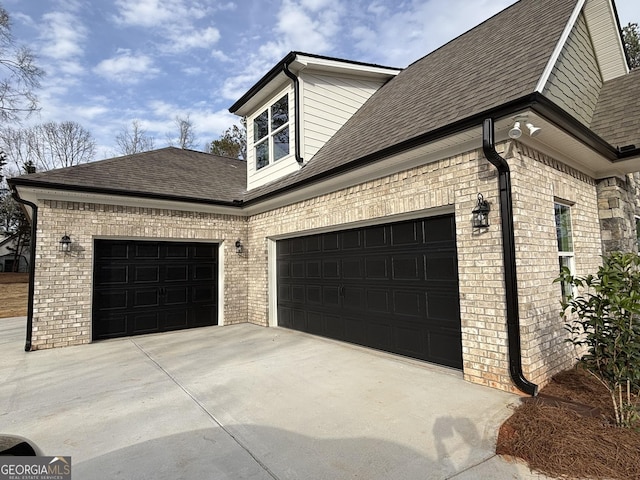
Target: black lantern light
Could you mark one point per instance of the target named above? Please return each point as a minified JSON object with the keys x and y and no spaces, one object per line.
{"x":239,"y":247}
{"x":65,"y":243}
{"x":480,"y":214}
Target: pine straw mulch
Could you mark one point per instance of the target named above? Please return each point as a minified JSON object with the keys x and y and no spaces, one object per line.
{"x":568,"y":432}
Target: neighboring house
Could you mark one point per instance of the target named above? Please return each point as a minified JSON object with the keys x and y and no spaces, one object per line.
{"x":8,"y":257}
{"x":352,"y":217}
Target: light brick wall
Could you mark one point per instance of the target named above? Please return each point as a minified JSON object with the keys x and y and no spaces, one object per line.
{"x":538,"y":181}
{"x":455,"y":182}
{"x":63,"y":282}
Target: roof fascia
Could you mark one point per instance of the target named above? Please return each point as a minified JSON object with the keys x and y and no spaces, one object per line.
{"x":77,"y":193}
{"x":306,"y":60}
{"x":544,"y":78}
{"x":537,"y":102}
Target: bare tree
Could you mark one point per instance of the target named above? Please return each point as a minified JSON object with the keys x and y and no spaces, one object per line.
{"x":186,"y":134}
{"x":19,"y":75}
{"x":49,"y":145}
{"x":134,"y":139}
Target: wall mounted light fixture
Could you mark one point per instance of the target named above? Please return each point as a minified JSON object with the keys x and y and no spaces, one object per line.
{"x":239,"y":247}
{"x":480,"y":214}
{"x":516,"y":130}
{"x":65,"y":243}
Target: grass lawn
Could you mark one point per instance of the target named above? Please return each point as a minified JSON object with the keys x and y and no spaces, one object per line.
{"x":14,"y":289}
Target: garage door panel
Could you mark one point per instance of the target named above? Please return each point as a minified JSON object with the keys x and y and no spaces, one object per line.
{"x":442,"y":266}
{"x":110,"y":300}
{"x":177,"y":273}
{"x":112,"y":325}
{"x":143,"y":298}
{"x":443,"y":307}
{"x":314,"y":269}
{"x":331,"y":268}
{"x":376,"y":268}
{"x":146,"y":273}
{"x":176,"y":296}
{"x":445,"y":349}
{"x":393,"y":287}
{"x":147,"y":322}
{"x":354,"y":298}
{"x":376,"y":237}
{"x":315,"y":323}
{"x":409,"y":303}
{"x":378,"y":300}
{"x":203,"y":271}
{"x":314,"y":294}
{"x":408,"y":233}
{"x":408,"y":267}
{"x":112,"y":274}
{"x":147,"y":251}
{"x":167,"y":286}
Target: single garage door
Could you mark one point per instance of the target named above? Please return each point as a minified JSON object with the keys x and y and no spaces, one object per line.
{"x":391,"y":287}
{"x":146,"y":287}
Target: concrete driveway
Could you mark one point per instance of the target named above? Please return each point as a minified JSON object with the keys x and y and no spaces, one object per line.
{"x":247,"y":402}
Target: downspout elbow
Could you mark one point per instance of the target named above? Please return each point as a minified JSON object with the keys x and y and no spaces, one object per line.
{"x":296,"y":103}
{"x":509,"y":258}
{"x":32,"y":266}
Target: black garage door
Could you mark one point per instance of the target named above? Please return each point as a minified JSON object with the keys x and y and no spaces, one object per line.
{"x":392,"y":287}
{"x":146,"y":287}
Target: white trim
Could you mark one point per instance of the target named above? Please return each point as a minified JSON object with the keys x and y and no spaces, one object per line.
{"x":36,"y":194}
{"x":222,"y":246}
{"x":560,"y":45}
{"x":272,"y":282}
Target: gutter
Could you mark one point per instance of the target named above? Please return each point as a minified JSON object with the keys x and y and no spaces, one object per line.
{"x":296,"y":95}
{"x":509,"y":256}
{"x":32,"y":265}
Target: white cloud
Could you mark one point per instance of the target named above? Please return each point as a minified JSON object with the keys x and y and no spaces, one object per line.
{"x":304,"y":25}
{"x":399,"y":36}
{"x":63,"y":35}
{"x":127,"y":68}
{"x":188,"y":39}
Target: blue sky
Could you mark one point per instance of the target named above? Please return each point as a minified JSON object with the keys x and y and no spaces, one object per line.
{"x":110,"y":62}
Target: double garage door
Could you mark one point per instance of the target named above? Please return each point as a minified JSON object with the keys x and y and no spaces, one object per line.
{"x":147,"y":287}
{"x":391,"y":287}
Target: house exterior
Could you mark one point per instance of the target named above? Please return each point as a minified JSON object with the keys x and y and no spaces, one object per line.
{"x":9,"y":257}
{"x":352,"y":217}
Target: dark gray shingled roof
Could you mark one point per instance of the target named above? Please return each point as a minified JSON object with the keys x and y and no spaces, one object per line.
{"x":617,"y":115}
{"x":165,"y":173}
{"x":498,"y":61}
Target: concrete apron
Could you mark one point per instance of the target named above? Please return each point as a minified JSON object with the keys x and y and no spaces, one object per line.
{"x":248,"y":402}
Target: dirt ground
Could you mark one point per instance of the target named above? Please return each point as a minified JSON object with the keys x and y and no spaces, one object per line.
{"x":14,"y":288}
{"x":568,"y":432}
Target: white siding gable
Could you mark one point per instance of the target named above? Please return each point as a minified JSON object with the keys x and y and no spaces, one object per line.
{"x":328,"y":101}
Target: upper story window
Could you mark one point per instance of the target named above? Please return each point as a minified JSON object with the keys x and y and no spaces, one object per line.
{"x":271,"y":133}
{"x":564,"y":234}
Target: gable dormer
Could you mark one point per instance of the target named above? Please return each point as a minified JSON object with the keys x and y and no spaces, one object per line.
{"x":589,"y":53}
{"x":297,"y":106}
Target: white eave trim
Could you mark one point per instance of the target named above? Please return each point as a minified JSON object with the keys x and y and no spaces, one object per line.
{"x":38,"y":194}
{"x":344,"y":66}
{"x":560,"y":45}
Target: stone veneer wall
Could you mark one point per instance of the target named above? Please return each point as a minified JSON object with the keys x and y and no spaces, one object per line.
{"x":618,"y":202}
{"x":63,"y":282}
{"x":455,"y":183}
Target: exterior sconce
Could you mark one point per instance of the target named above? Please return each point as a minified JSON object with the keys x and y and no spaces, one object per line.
{"x":65,"y":244}
{"x":239,"y":247}
{"x":480,"y":214}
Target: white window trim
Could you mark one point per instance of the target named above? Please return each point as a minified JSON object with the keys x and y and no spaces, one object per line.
{"x":568,"y":255}
{"x":271,"y":133}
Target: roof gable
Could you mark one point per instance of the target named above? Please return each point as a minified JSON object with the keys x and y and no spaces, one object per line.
{"x":497,"y":62}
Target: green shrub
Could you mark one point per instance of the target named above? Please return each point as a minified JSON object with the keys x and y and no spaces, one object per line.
{"x":603,"y":314}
